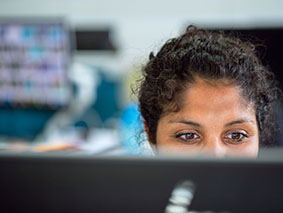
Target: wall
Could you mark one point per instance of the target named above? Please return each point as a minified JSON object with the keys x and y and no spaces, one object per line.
{"x":142,"y":26}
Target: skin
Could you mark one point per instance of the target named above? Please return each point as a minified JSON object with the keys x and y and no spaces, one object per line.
{"x":213,"y":120}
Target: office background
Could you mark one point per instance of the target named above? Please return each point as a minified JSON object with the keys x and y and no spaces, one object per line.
{"x":110,"y":41}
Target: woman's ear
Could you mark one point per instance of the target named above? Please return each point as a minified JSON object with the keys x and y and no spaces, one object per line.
{"x":152,"y":145}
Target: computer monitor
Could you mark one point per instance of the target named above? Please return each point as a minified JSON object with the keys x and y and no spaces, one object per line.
{"x":34,"y":64}
{"x":34,"y":58}
{"x":73,"y":183}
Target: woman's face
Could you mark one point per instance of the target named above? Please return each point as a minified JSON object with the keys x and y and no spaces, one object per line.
{"x":214,"y":120}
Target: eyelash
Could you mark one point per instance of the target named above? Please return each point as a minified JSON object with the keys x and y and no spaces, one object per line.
{"x":179,"y":136}
{"x":242,"y":137}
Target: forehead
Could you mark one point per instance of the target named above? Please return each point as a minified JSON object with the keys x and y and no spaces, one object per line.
{"x":217,"y":99}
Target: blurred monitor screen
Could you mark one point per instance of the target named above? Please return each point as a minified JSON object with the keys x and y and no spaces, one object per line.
{"x":34,"y":55}
{"x":34,"y":58}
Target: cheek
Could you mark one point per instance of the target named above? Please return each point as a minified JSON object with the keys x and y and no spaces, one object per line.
{"x":179,"y":149}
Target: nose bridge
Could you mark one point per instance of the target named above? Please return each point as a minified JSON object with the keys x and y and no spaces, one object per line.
{"x":214,"y":146}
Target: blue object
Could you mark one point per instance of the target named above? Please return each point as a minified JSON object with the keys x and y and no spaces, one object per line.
{"x":130,"y":129}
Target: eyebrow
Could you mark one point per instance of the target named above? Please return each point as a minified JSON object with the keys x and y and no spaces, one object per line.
{"x":239,"y":122}
{"x":199,"y":125}
{"x":185,"y":122}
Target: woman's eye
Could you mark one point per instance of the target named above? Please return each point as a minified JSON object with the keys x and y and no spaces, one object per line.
{"x":236,"y":136}
{"x":188,"y":137}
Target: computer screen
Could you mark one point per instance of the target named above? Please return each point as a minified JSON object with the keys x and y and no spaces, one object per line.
{"x":34,"y":64}
{"x":34,"y":57}
{"x":50,"y":182}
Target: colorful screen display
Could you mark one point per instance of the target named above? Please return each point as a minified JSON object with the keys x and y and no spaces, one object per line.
{"x":33,"y":64}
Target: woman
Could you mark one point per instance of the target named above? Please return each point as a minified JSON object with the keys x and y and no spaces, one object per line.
{"x":208,"y":93}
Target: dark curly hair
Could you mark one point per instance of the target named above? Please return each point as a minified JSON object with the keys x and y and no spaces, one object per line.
{"x":211,"y":56}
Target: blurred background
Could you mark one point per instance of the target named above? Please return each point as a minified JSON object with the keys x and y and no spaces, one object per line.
{"x":67,"y":66}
